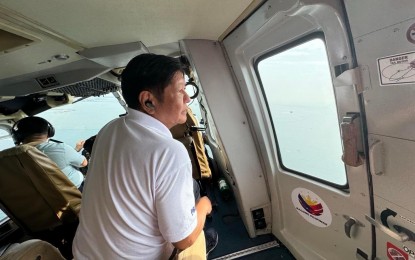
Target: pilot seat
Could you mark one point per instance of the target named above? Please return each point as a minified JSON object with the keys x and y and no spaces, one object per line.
{"x":38,"y":196}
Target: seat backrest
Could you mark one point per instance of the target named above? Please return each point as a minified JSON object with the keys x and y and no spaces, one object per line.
{"x":193,"y":141}
{"x":32,"y":249}
{"x":34,"y":192}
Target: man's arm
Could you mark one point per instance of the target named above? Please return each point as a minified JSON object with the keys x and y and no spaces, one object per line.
{"x":74,"y":158}
{"x":203,"y":208}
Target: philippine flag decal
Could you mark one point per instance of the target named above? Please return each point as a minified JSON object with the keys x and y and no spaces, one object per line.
{"x":311,"y":207}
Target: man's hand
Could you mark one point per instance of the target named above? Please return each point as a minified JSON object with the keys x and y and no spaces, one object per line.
{"x":203,"y":208}
{"x":79,"y":145}
{"x":204,"y":205}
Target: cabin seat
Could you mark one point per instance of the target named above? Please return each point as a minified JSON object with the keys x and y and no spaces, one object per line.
{"x":33,"y":249}
{"x":189,"y":135}
{"x":38,"y":196}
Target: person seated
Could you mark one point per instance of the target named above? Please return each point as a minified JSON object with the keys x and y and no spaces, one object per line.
{"x":37,"y":131}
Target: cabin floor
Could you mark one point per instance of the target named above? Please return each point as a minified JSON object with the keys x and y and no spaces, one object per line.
{"x":234,"y":241}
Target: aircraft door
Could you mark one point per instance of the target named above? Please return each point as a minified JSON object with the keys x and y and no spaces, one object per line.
{"x":385,"y":49}
{"x":297,"y":77}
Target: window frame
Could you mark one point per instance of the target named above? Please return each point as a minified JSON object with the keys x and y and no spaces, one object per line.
{"x":285,"y":47}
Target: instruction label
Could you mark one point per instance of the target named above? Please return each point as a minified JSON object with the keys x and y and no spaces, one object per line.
{"x":397,"y":69}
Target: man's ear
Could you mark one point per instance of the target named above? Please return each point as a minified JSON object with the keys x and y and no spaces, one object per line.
{"x":147,"y":101}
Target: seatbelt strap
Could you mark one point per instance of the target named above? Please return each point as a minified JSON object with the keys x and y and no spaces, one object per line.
{"x":173,"y":254}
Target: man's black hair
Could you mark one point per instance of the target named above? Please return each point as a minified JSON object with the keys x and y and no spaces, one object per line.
{"x":33,"y":125}
{"x":30,"y":126}
{"x":149,"y":72}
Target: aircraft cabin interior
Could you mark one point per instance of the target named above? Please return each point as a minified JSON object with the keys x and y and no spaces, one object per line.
{"x":306,"y":109}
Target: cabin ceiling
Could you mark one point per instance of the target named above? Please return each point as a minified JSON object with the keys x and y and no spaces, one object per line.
{"x":76,"y":41}
{"x":57,"y":26}
{"x":96,"y":22}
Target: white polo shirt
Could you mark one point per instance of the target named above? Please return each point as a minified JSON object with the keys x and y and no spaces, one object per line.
{"x":138,"y":195}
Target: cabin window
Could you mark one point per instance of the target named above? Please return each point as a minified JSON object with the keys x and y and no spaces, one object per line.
{"x":299,"y":93}
{"x":3,"y":217}
{"x":6,"y":140}
{"x":82,"y":119}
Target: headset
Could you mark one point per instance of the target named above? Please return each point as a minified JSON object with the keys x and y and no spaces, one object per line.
{"x":149,"y":104}
{"x":28,"y":126}
{"x":189,"y":72}
{"x":196,"y":87}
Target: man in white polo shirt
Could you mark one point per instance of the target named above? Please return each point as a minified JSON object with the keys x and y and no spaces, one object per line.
{"x":138,"y":197}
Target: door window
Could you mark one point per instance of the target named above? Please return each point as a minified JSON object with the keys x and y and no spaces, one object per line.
{"x":298,"y":89}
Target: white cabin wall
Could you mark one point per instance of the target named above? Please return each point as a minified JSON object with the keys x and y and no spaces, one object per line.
{"x":231,"y":122}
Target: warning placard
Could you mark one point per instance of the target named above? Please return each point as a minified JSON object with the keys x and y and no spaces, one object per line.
{"x":395,"y":253}
{"x":397,"y":69}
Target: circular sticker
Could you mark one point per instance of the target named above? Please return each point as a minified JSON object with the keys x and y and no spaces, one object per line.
{"x":311,"y":207}
{"x":410,"y":33}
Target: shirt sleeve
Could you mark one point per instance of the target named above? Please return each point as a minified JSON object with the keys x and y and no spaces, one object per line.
{"x":175,"y":204}
{"x":73,"y":157}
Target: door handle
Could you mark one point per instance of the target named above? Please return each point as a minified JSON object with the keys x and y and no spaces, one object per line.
{"x":406,"y":231}
{"x":401,"y":237}
{"x":348,"y":226}
{"x":376,"y":157}
{"x":350,"y":222}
